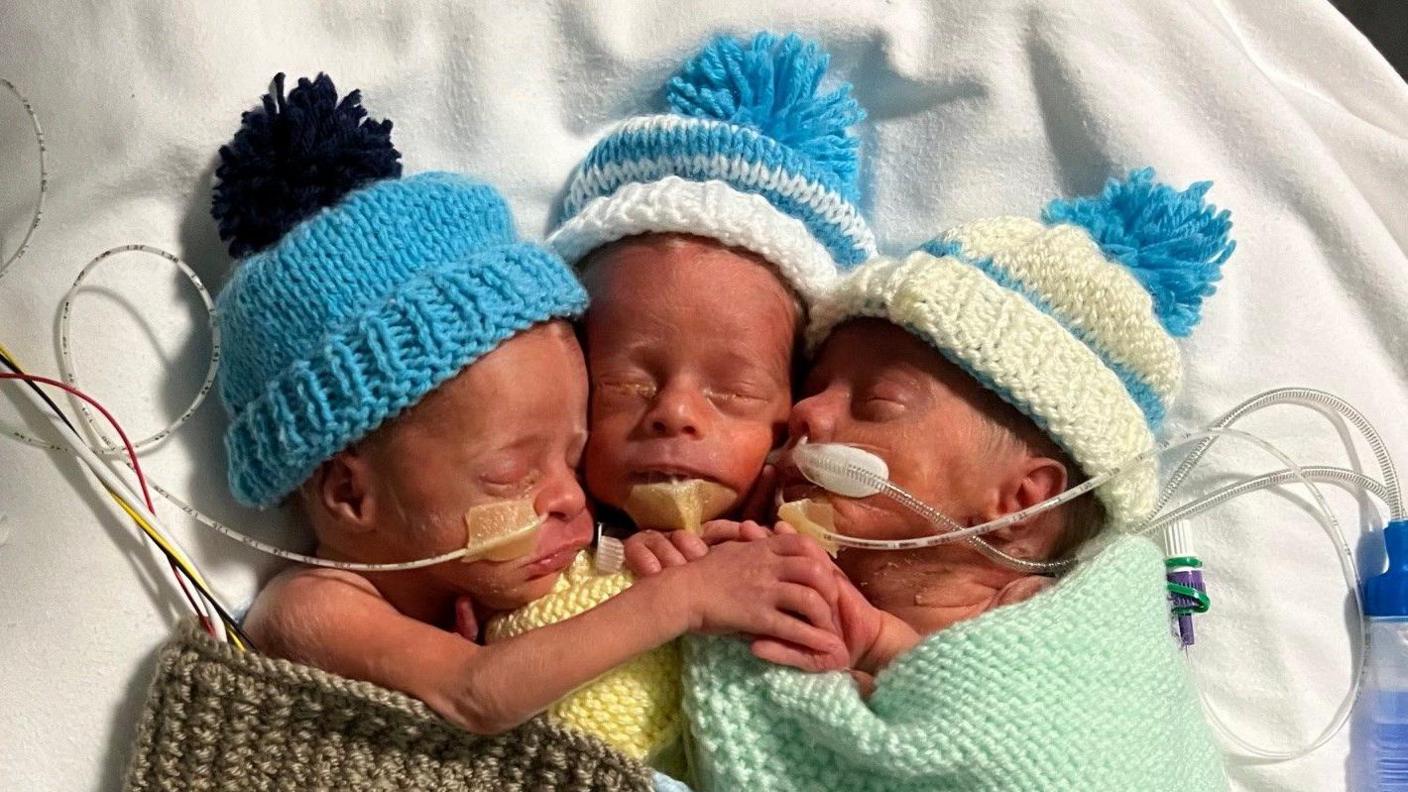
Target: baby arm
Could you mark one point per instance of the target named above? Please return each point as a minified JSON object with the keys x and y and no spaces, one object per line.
{"x":339,"y":622}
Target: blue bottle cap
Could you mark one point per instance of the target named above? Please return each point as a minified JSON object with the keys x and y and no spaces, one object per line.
{"x":1386,"y":595}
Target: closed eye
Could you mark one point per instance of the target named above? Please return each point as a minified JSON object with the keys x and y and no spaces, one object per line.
{"x":729,"y":394}
{"x":875,"y":407}
{"x":508,"y":478}
{"x":639,"y":389}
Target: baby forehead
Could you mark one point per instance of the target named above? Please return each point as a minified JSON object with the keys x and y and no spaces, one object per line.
{"x":686,"y":270}
{"x":678,"y":290}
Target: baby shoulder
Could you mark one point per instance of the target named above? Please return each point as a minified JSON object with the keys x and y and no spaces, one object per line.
{"x":300,"y":605}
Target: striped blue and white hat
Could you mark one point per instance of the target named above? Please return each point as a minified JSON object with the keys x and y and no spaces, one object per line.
{"x":751,"y":154}
{"x":1072,"y":320}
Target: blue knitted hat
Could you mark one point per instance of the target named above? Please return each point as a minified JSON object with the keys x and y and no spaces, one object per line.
{"x":752,"y":155}
{"x":358,"y":292}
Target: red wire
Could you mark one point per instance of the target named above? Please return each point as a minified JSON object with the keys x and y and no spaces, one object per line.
{"x":131,"y":452}
{"x":136,"y":467}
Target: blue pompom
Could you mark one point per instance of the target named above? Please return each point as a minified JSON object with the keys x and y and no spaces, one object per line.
{"x":294,"y":156}
{"x":771,"y":85}
{"x":1174,"y":242}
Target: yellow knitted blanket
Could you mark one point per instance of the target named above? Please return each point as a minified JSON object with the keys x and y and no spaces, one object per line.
{"x":635,"y":707}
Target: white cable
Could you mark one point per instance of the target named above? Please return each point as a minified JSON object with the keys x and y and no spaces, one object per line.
{"x":68,"y":371}
{"x":43,"y":179}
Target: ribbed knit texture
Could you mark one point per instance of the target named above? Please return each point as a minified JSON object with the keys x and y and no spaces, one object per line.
{"x":362,"y":309}
{"x":216,"y":719}
{"x":749,"y":120}
{"x":635,"y":707}
{"x":1078,"y":688}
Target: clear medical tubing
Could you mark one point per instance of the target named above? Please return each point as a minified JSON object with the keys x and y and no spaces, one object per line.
{"x":1345,"y":556}
{"x":814,"y":462}
{"x":1309,"y":397}
{"x":1319,"y":473}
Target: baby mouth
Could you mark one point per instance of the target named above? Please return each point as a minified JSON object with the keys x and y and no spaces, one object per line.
{"x":667,"y":475}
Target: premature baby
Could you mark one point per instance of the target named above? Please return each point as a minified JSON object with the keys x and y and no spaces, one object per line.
{"x":702,"y":234}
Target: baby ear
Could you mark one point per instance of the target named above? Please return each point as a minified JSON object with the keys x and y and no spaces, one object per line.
{"x":1032,"y":480}
{"x":1042,"y":478}
{"x":342,"y":487}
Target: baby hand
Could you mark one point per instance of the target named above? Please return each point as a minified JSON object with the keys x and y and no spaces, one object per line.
{"x":720,"y":531}
{"x":780,"y":589}
{"x":648,"y":552}
{"x":873,"y":637}
{"x":859,"y":621}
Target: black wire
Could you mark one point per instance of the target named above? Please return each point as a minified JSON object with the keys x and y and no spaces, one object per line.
{"x":34,"y":386}
{"x":229,"y":620}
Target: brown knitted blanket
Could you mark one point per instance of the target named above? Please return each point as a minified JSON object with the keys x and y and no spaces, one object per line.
{"x":218,"y":719}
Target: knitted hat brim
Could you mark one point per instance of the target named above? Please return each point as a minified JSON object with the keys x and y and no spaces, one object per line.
{"x":711,"y":209}
{"x":650,"y":148}
{"x":425,"y":332}
{"x":1018,"y":352}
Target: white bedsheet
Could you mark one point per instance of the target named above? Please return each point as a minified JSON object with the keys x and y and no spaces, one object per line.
{"x":976,"y":108}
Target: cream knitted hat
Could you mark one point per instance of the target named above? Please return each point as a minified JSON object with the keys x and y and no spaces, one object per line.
{"x":1072,"y":320}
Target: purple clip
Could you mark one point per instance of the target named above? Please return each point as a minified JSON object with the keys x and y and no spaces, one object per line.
{"x":1187,"y":594}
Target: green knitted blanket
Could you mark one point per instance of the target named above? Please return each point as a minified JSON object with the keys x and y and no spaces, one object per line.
{"x":216,"y":719}
{"x":1080,"y":687}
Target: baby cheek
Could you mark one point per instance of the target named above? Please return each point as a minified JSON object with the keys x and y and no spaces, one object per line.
{"x":604,"y":468}
{"x":747,"y":445}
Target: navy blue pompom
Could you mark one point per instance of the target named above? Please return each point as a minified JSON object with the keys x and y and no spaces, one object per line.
{"x":294,"y":156}
{"x":1174,"y":242}
{"x":772,"y":85}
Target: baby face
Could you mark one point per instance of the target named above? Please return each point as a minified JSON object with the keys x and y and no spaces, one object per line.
{"x":510,"y":426}
{"x":878,"y":387}
{"x":689,"y":345}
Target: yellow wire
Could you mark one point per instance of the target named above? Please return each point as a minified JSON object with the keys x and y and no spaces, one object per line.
{"x":176,"y":555}
{"x":179,"y":558}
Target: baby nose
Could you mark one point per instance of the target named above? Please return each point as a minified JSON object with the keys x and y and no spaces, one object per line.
{"x":676,"y":412}
{"x":813,"y":418}
{"x":562,"y":498}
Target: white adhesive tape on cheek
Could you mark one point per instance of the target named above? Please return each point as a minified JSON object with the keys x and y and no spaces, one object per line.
{"x":501,"y":531}
{"x":677,"y":505}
